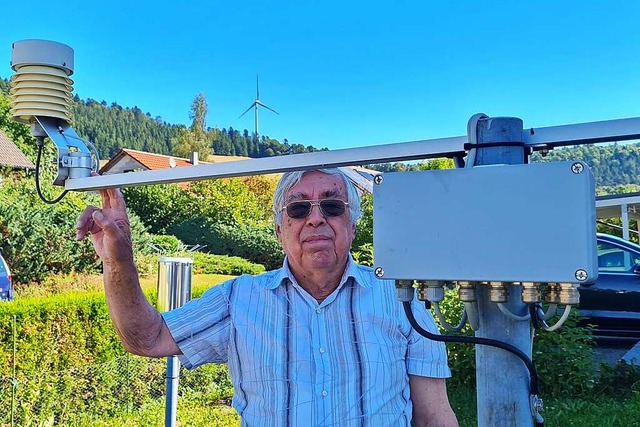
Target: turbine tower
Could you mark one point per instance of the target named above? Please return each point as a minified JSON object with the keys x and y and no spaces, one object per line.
{"x":257,"y":103}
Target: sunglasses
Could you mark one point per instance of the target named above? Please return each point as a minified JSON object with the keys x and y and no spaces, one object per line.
{"x":328,"y":207}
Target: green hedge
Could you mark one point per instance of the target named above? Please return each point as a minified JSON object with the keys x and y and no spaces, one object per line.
{"x":257,"y":244}
{"x":203,"y":264}
{"x":70,"y":365}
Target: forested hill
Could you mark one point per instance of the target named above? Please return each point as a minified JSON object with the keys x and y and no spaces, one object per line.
{"x":112,"y":127}
{"x":612,"y":165}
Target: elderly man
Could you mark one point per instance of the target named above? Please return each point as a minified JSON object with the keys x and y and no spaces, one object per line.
{"x":319,"y":342}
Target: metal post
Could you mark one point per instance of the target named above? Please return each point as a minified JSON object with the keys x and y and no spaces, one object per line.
{"x":174,"y":289}
{"x":502,"y":378}
{"x":624,"y":208}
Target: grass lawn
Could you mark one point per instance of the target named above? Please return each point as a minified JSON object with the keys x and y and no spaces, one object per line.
{"x":602,"y":411}
{"x":596,"y":412}
{"x":199,"y":282}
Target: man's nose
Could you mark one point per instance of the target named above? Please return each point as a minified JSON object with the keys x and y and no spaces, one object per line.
{"x":315,"y":216}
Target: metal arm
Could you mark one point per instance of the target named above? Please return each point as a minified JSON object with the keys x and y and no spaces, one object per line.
{"x":536,"y":138}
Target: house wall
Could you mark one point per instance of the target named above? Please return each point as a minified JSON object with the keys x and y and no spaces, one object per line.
{"x":127,"y":164}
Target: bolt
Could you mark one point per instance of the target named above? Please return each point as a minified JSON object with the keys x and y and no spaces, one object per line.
{"x":379,"y":272}
{"x":581,"y":275}
{"x":378,"y":179}
{"x":577,"y":168}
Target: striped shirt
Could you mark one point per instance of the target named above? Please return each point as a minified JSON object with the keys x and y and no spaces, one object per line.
{"x":296,"y":362}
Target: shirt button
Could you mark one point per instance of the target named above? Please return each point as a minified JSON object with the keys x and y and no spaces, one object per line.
{"x":319,"y":310}
{"x":322,"y":350}
{"x":324,"y":393}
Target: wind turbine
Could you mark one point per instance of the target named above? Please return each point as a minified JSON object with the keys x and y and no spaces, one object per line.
{"x":257,"y":103}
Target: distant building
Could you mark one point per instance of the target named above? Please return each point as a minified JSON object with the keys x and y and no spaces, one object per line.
{"x":127,"y":160}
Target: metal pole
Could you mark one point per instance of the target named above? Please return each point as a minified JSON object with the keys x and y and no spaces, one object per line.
{"x":624,"y":208}
{"x":171,"y":404}
{"x":502,"y":379}
{"x":174,"y":289}
{"x":14,"y":381}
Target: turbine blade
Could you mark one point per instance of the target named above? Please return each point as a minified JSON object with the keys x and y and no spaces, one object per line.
{"x":257,"y":88}
{"x":266,"y":106}
{"x":248,"y":109}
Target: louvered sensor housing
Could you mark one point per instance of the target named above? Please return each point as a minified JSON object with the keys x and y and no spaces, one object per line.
{"x":41,"y":96}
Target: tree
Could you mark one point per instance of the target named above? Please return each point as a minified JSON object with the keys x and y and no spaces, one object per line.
{"x":194,"y":139}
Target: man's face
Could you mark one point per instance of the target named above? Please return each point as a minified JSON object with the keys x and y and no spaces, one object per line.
{"x":316,"y":242}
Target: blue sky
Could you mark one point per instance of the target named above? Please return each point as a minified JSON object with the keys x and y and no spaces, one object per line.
{"x":349,"y":73}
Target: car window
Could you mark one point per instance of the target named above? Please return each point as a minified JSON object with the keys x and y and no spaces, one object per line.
{"x":613,"y":258}
{"x":3,"y":269}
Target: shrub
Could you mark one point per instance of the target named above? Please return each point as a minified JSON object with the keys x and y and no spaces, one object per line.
{"x":38,"y":239}
{"x":621,"y":380}
{"x":257,"y":244}
{"x":203,"y":263}
{"x":159,"y":205}
{"x":364,"y":230}
{"x":563,"y":358}
{"x":167,"y":244}
{"x":364,"y":254}
{"x":223,"y":264}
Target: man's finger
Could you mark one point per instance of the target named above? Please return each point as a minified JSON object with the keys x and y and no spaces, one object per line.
{"x":85,"y":224}
{"x":116,"y":199}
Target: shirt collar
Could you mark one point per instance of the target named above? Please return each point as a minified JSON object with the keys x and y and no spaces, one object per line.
{"x":352,"y":270}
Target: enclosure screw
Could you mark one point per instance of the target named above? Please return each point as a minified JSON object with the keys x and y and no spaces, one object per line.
{"x":577,"y":168}
{"x":581,"y":275}
{"x":378,"y":179}
{"x":379,"y":272}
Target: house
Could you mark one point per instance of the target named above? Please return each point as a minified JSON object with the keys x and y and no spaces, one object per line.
{"x":127,"y":160}
{"x":11,"y":157}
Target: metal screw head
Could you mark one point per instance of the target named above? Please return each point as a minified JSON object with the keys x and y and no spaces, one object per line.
{"x":379,"y":272}
{"x":378,"y":179}
{"x":581,"y":275}
{"x":577,"y":168}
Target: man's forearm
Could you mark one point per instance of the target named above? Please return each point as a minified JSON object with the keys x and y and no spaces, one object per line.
{"x":138,"y":324}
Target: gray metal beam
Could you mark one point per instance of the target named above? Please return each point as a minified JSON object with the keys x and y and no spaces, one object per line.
{"x":536,"y":138}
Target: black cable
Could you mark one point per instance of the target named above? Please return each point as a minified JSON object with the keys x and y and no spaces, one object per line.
{"x":40,"y":143}
{"x":534,"y":387}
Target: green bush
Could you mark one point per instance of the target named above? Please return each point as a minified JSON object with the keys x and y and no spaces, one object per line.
{"x":38,"y":240}
{"x":160,"y":206}
{"x":257,"y":244}
{"x":223,"y":264}
{"x":203,"y":263}
{"x":364,"y":254}
{"x":621,"y":380}
{"x":563,"y":358}
{"x":228,"y":201}
{"x":364,"y":230}
{"x":167,"y":244}
{"x":70,"y":364}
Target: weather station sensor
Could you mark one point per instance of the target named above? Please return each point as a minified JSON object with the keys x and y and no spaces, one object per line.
{"x":41,"y":95}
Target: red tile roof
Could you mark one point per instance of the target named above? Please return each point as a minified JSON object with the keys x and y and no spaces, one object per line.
{"x":151,"y":161}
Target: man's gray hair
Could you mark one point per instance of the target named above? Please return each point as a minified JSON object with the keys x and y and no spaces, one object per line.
{"x":290,"y":179}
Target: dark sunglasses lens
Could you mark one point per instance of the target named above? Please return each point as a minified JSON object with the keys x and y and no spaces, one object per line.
{"x":332,"y":207}
{"x":298,"y":210}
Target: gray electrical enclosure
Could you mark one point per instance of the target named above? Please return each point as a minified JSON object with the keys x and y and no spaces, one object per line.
{"x":511,"y":223}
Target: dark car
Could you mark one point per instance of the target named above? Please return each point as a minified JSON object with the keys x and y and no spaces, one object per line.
{"x":6,"y":289}
{"x":612,"y":304}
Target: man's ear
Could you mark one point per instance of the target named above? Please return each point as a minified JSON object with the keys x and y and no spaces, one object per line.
{"x":278,"y":231}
